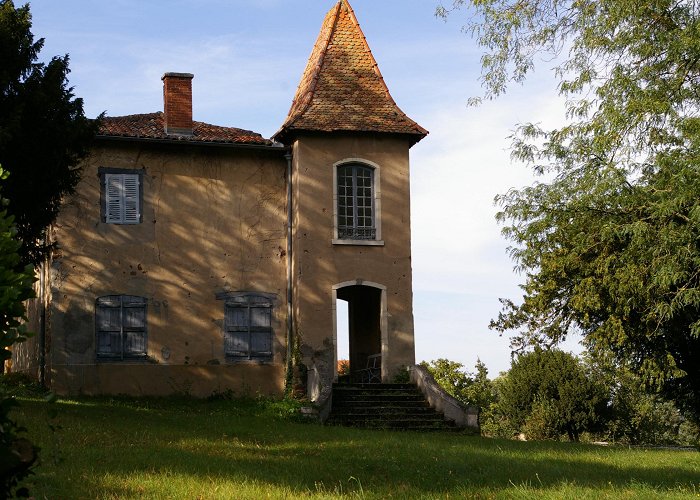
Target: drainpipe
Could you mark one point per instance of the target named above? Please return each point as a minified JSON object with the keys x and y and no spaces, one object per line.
{"x":290,"y":333}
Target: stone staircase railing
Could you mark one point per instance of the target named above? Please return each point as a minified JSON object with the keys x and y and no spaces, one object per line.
{"x":466,"y":417}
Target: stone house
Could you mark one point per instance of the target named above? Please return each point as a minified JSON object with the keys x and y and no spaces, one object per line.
{"x":197,"y":259}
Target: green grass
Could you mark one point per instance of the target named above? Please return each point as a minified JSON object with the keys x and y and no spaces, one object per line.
{"x":126,"y":448}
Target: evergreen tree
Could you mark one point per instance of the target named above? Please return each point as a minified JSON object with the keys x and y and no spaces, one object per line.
{"x":17,"y":454}
{"x":43,"y":131}
{"x":547,"y":393}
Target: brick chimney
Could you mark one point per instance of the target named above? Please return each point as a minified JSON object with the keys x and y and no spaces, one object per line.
{"x":177,"y":100}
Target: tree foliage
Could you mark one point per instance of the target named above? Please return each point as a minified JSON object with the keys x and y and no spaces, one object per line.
{"x":451,"y":376}
{"x":470,"y":389}
{"x":43,"y":130}
{"x":636,"y":415}
{"x":17,"y":454}
{"x":609,"y":243}
{"x":547,"y":393}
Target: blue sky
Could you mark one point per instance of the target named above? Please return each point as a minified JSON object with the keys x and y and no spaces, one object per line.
{"x":247,"y":57}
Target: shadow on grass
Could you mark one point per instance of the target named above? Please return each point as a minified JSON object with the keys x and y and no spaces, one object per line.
{"x":117,"y":448}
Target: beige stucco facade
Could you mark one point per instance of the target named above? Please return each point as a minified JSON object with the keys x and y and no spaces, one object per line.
{"x":324,"y":266}
{"x":214,"y":221}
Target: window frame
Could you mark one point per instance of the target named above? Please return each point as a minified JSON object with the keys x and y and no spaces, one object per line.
{"x":123,"y":303}
{"x":248,"y":302}
{"x":376,"y":202}
{"x":106,"y":174}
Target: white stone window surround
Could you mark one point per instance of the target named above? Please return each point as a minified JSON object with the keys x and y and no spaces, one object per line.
{"x":377,"y":191}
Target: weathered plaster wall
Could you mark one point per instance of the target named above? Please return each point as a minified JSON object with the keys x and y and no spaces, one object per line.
{"x":213,"y":221}
{"x":319,"y":264}
{"x":25,"y":355}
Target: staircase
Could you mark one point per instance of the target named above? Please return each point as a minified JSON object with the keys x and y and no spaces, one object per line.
{"x":385,"y":406}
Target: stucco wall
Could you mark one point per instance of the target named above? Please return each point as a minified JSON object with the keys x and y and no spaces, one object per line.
{"x":213,"y":221}
{"x":319,"y":264}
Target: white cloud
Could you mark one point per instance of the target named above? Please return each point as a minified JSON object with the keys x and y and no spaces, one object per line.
{"x":460,"y":264}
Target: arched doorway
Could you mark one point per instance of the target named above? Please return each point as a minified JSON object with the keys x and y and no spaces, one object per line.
{"x":366,"y":325}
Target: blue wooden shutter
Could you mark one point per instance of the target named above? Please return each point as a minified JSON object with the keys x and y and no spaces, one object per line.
{"x":237,"y":337}
{"x":114,"y":209}
{"x":122,"y":199}
{"x":109,"y":323}
{"x":134,"y":325}
{"x":260,"y":331}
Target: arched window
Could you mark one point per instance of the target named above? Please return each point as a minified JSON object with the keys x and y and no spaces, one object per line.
{"x":356,"y":210}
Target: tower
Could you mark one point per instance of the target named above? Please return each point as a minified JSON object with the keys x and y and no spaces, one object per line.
{"x":351,"y":234}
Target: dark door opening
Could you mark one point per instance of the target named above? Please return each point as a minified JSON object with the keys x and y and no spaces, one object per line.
{"x":364,"y":330}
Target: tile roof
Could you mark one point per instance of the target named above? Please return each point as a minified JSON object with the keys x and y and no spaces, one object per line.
{"x":152,"y":126}
{"x":342,"y":88}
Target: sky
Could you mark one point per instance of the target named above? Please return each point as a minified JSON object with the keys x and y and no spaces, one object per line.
{"x":248,"y":56}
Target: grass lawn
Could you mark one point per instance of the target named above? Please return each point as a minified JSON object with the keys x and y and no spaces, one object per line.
{"x":182,"y":448}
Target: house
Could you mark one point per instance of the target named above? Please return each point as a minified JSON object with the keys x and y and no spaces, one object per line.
{"x":198,"y":259}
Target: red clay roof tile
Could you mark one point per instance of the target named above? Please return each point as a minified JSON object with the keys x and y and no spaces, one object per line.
{"x":342,"y":88}
{"x":152,"y":126}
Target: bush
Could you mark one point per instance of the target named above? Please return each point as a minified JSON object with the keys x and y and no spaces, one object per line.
{"x":551,"y":388}
{"x":17,"y":454}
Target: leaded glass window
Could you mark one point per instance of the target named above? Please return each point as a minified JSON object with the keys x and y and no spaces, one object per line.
{"x":356,"y":210}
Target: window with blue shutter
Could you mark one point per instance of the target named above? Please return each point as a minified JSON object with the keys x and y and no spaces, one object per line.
{"x":120,"y":325}
{"x":248,"y":327}
{"x":122,"y":195}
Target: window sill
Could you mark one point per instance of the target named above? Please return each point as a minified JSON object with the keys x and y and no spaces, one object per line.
{"x":367,"y":243}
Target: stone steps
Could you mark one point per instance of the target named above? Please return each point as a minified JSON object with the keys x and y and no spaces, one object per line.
{"x":385,"y":406}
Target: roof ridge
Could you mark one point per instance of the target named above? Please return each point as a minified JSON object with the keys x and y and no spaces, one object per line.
{"x":151,"y":126}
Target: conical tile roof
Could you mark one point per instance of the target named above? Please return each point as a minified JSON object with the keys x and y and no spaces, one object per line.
{"x":342,"y":88}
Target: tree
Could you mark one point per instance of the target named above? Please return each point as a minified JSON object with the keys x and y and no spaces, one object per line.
{"x":547,"y":393}
{"x":609,"y":244}
{"x":635,"y":415}
{"x":451,"y":376}
{"x":471,"y":389}
{"x":43,"y":131}
{"x":17,"y":454}
{"x":481,"y":391}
